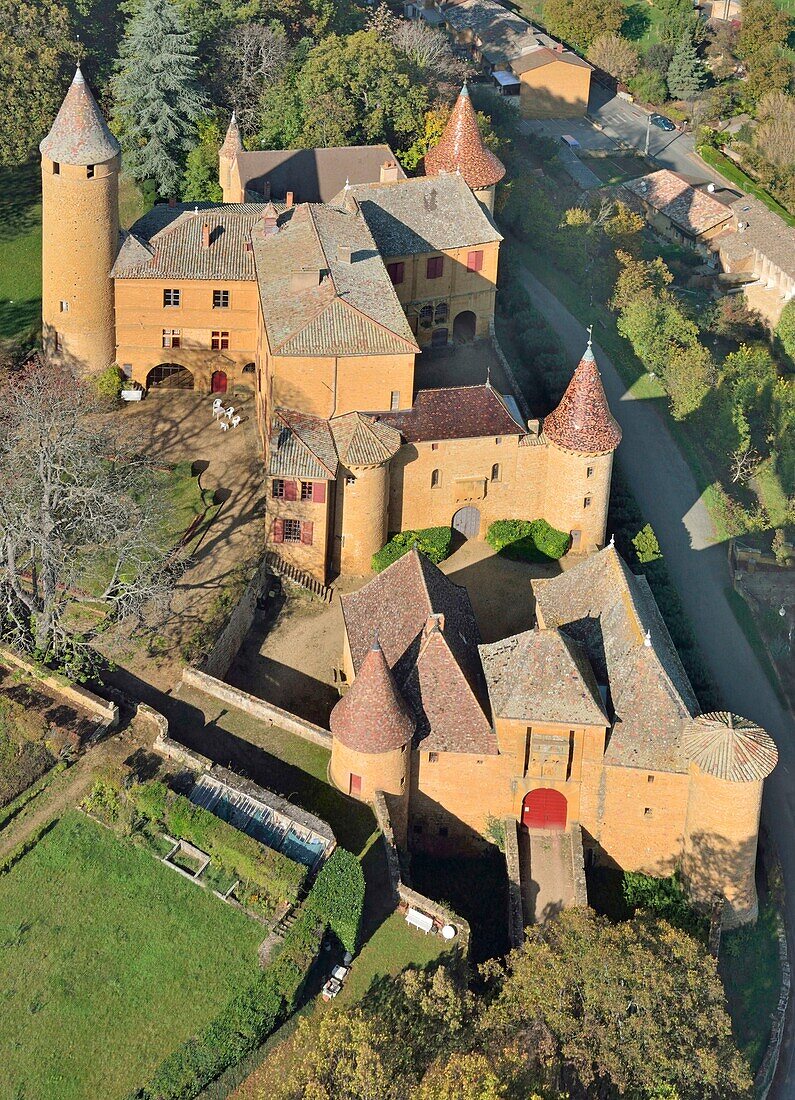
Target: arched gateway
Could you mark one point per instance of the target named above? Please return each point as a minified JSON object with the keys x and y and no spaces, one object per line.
{"x":544,"y":808}
{"x":169,"y":376}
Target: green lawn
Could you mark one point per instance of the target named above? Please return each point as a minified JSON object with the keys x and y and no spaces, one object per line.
{"x":108,"y":960}
{"x":391,"y":948}
{"x":613,"y":170}
{"x":20,"y":252}
{"x":751,"y":972}
{"x":643,"y":23}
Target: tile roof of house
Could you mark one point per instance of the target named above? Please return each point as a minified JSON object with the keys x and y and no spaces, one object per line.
{"x":693,"y":211}
{"x":425,"y":214}
{"x":547,"y":55}
{"x":166,"y":243}
{"x":730,"y":747}
{"x":582,"y":422}
{"x":362,"y":440}
{"x":79,"y":134}
{"x":427,"y":628}
{"x":503,"y":33}
{"x":763,"y":231}
{"x":455,"y":412}
{"x":313,"y":175}
{"x":542,"y":676}
{"x":233,"y":143}
{"x":612,"y":612}
{"x":351,"y":309}
{"x":373,"y":717}
{"x":301,"y":446}
{"x":461,"y":148}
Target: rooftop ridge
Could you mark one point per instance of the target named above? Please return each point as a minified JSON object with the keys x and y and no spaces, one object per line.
{"x":312,"y":451}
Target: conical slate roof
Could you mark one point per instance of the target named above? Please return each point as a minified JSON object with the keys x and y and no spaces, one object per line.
{"x":79,"y":134}
{"x":233,"y":143}
{"x":461,"y":148}
{"x":729,"y":747}
{"x":583,"y":421}
{"x":373,"y":717}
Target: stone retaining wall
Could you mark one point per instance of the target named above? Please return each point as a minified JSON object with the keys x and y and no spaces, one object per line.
{"x":107,"y":713}
{"x":578,"y":865}
{"x":229,"y":641}
{"x":767,"y":1071}
{"x":515,"y":914}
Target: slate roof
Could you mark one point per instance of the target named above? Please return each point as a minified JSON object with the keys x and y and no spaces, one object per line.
{"x":604,"y":606}
{"x":503,"y":33}
{"x":429,"y":635}
{"x":166,"y":243}
{"x":301,"y":446}
{"x":542,"y":676}
{"x":764,"y":231}
{"x":456,"y":412}
{"x":79,"y":134}
{"x":461,"y":148}
{"x":423,"y":215}
{"x":373,"y":716}
{"x":351,"y":310}
{"x":730,"y":747}
{"x":233,"y":143}
{"x":582,"y":421}
{"x":313,"y":175}
{"x":693,"y":211}
{"x":363,"y":441}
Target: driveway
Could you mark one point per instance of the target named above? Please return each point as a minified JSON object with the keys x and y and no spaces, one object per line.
{"x":669,"y":498}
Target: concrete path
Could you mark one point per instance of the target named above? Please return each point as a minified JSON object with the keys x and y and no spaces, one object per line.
{"x":547,"y":877}
{"x":671,"y":501}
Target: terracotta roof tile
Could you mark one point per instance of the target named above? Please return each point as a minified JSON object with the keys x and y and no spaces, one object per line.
{"x":582,"y":421}
{"x":301,"y":446}
{"x":362,"y":441}
{"x":461,"y":148}
{"x":457,"y":412}
{"x":730,"y":747}
{"x":373,"y":716}
{"x":691,"y":210}
{"x":233,"y":143}
{"x":79,"y":134}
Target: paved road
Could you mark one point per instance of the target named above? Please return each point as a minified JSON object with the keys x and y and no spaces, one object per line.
{"x":667,"y":494}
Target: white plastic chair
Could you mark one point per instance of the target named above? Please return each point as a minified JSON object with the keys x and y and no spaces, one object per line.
{"x":218,"y":409}
{"x":224,"y":425}
{"x":230,"y":412}
{"x":233,"y":423}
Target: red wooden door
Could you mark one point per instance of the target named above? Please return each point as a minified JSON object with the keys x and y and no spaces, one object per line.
{"x":544,"y":809}
{"x":356,"y":786}
{"x":218,"y":381}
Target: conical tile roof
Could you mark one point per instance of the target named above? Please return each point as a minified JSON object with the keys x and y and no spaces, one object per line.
{"x":583,"y":421}
{"x":729,"y":747}
{"x":233,"y":143}
{"x":362,"y":441}
{"x":461,"y":148}
{"x":373,"y":717}
{"x":79,"y":134}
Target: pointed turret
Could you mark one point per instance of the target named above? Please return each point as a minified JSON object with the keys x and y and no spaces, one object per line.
{"x":461,"y":149}
{"x":233,"y":143}
{"x":79,"y":134}
{"x":582,"y":422}
{"x":373,"y":717}
{"x":229,"y":179}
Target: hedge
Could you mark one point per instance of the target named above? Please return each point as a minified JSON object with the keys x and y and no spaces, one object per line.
{"x":527,"y":540}
{"x":338,"y":897}
{"x":433,"y":542}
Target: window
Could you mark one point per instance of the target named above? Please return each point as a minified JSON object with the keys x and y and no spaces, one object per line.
{"x":56,"y":168}
{"x":435,"y":478}
{"x":403,"y":748}
{"x":396,"y":273}
{"x":586,"y":502}
{"x":426,"y":316}
{"x":64,"y":306}
{"x":278,"y":488}
{"x":171,"y":337}
{"x":442,"y":830}
{"x":495,"y":472}
{"x":171,"y":298}
{"x":434,"y":446}
{"x":649,"y":778}
{"x":648,"y":812}
{"x":498,"y":440}
{"x":89,"y":171}
{"x":306,"y":490}
{"x":292,"y":530}
{"x":394,"y":401}
{"x":589,"y":472}
{"x":434,"y":268}
{"x":433,"y":757}
{"x":220,"y":299}
{"x":219,"y":340}
{"x":441,"y":314}
{"x":250,"y":368}
{"x":475,"y":260}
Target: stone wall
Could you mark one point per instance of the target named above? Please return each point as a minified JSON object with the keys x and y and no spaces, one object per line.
{"x":767,"y":1071}
{"x":223,"y":652}
{"x":107,"y":713}
{"x":515,"y":914}
{"x":578,"y":865}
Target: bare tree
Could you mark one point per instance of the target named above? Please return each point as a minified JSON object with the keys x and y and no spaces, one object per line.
{"x":774,"y":137}
{"x":253,"y":57}
{"x":744,"y":462}
{"x":81,"y":525}
{"x":615,"y":55}
{"x":428,"y":49}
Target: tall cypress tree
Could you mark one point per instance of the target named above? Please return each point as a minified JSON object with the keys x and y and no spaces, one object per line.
{"x":686,"y":75}
{"x":157,"y":98}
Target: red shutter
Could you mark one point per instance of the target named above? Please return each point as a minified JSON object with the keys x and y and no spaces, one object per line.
{"x":475,"y":261}
{"x":277,"y":534}
{"x":306,"y":532}
{"x":435,"y":267}
{"x":291,"y":490}
{"x":319,"y":492}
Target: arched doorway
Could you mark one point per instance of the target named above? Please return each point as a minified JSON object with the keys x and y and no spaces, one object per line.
{"x":544,"y":808}
{"x":169,"y":376}
{"x":218,"y":382}
{"x":464,"y":326}
{"x":467,"y":522}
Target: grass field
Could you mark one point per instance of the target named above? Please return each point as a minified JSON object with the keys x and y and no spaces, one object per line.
{"x":643,"y":23}
{"x":391,"y":948}
{"x":108,"y":961}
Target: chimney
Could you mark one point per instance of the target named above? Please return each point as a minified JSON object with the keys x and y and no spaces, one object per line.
{"x":432,"y":623}
{"x":305,"y":279}
{"x":205,"y":235}
{"x":389,"y":171}
{"x":344,"y":254}
{"x":534,"y":427}
{"x":289,"y":201}
{"x":172,"y":203}
{"x":558,"y":47}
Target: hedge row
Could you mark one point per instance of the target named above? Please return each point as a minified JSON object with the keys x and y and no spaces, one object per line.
{"x":527,"y":540}
{"x":433,"y":542}
{"x":338,"y":897}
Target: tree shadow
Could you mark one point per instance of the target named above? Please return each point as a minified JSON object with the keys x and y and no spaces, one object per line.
{"x":20,"y":194}
{"x":636,"y":23}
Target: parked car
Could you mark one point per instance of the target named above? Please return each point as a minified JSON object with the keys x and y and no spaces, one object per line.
{"x":572,"y":142}
{"x":663,"y":123}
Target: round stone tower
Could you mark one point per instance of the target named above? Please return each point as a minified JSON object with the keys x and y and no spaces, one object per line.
{"x":233,"y":144}
{"x":729,"y":759}
{"x":581,"y":436}
{"x":372,"y":727}
{"x":461,"y":150}
{"x":80,"y":161}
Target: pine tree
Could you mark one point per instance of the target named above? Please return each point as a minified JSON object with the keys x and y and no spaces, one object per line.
{"x":686,"y":75}
{"x":157,"y":99}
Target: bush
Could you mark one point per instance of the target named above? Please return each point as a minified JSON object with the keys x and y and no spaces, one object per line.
{"x":108,"y":382}
{"x":338,"y":897}
{"x":433,"y":542}
{"x":527,"y":540}
{"x":665,"y":898}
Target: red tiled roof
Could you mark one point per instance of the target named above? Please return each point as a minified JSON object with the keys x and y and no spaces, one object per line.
{"x":461,"y":148}
{"x":79,"y":134}
{"x":583,"y":421}
{"x":233,"y":143}
{"x":373,"y":716}
{"x":455,"y":412}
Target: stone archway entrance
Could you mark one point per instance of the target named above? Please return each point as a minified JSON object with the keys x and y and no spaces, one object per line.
{"x":465,"y":326}
{"x":467,"y":522}
{"x":169,"y":376}
{"x":218,"y":382}
{"x":544,"y":808}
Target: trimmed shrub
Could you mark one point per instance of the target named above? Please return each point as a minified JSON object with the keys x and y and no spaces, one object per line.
{"x":338,"y":897}
{"x":527,"y":540}
{"x":108,"y":382}
{"x":666,"y":899}
{"x":433,"y":542}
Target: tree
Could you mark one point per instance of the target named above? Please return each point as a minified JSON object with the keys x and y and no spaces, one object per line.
{"x":623,"y":229}
{"x":769,"y":70}
{"x":253,"y":58}
{"x":157,"y":100}
{"x":774,"y":137}
{"x":639,"y":280}
{"x":428,"y":49}
{"x":763,"y":25}
{"x":80,"y":524}
{"x":649,"y":86}
{"x":688,"y":377}
{"x":786,"y":329}
{"x":686,"y":74}
{"x":680,"y":20}
{"x":615,"y":55}
{"x":581,"y":24}
{"x":200,"y":182}
{"x":658,"y":57}
{"x":656,"y":328}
